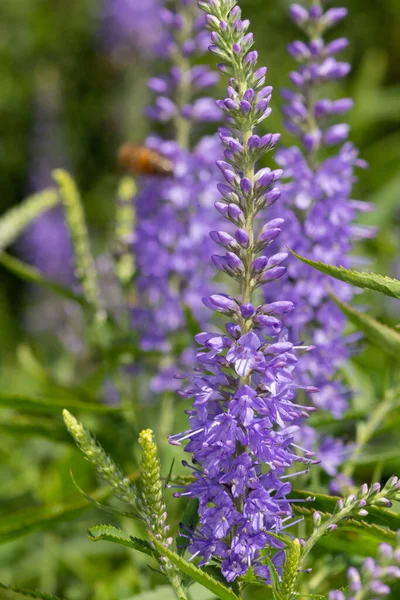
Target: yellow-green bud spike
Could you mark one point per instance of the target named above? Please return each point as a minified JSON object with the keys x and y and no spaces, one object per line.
{"x":106,"y":468}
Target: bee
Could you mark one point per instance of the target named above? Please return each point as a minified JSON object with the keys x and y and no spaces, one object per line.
{"x":144,"y":161}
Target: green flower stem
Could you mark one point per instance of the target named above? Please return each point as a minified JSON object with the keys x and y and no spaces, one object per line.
{"x":182,"y":125}
{"x":365,"y":431}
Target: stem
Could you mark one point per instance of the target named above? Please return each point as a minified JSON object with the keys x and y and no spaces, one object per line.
{"x":175,"y":580}
{"x":182,"y":125}
{"x":365,"y":431}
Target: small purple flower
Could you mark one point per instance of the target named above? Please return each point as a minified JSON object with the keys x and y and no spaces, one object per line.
{"x":374,"y":578}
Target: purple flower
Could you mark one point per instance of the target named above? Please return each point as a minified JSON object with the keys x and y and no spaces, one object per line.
{"x":133,"y":26}
{"x":373,"y":578}
{"x":46,"y":243}
{"x":318,"y":210}
{"x":242,"y":424}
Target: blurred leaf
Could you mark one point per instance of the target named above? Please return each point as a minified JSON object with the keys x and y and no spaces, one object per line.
{"x":39,"y":518}
{"x":53,"y":405}
{"x":370,"y":281}
{"x":192,"y":325}
{"x":386,"y":338}
{"x":28,"y":273}
{"x":189,"y":521}
{"x":13,"y":222}
{"x":386,"y":201}
{"x":195,"y":573}
{"x":112,"y":534}
{"x":22,"y":426}
{"x":165,"y":592}
{"x":29,"y":593}
{"x":324,"y":503}
{"x":103,"y":507}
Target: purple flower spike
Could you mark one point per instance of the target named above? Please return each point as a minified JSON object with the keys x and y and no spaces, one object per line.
{"x":319,"y":216}
{"x":242,"y":424}
{"x":172,"y":244}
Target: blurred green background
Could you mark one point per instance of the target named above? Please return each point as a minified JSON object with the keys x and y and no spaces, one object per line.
{"x":101,"y":98}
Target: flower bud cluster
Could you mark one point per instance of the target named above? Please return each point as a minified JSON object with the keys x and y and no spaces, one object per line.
{"x":242,"y":421}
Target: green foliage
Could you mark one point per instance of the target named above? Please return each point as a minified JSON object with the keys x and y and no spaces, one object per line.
{"x":35,"y":594}
{"x":43,"y":518}
{"x":109,"y":533}
{"x":13,"y":223}
{"x":195,"y":573}
{"x":52,"y":405}
{"x":32,"y":275}
{"x":189,"y":521}
{"x":30,"y":427}
{"x":370,"y":281}
{"x":386,"y":338}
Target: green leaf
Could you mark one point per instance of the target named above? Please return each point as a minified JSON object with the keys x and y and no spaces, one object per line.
{"x":117,"y":536}
{"x":190,"y":519}
{"x":51,"y":405}
{"x":104,"y":507}
{"x":370,"y":281}
{"x":29,"y":593}
{"x":386,"y":338}
{"x":13,"y":222}
{"x":28,"y":273}
{"x":325,"y":503}
{"x":195,"y":573}
{"x":192,"y":324}
{"x":39,"y":518}
{"x":34,"y":427}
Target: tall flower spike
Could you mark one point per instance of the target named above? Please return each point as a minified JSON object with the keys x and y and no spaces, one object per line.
{"x":241,"y":426}
{"x":172,"y":246}
{"x":317,"y":206}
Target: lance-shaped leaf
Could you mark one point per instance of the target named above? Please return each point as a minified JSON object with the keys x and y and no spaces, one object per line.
{"x":369,"y":281}
{"x":28,"y":426}
{"x":117,"y":536}
{"x":51,"y":405}
{"x":190,"y":520}
{"x":76,"y":223}
{"x":195,"y":573}
{"x":36,"y":594}
{"x":32,"y":275}
{"x":13,"y":222}
{"x":386,"y":338}
{"x":41,"y":518}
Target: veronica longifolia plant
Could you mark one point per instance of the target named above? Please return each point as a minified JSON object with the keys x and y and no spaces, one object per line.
{"x":319,"y":212}
{"x":172,"y":246}
{"x":243,"y":413}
